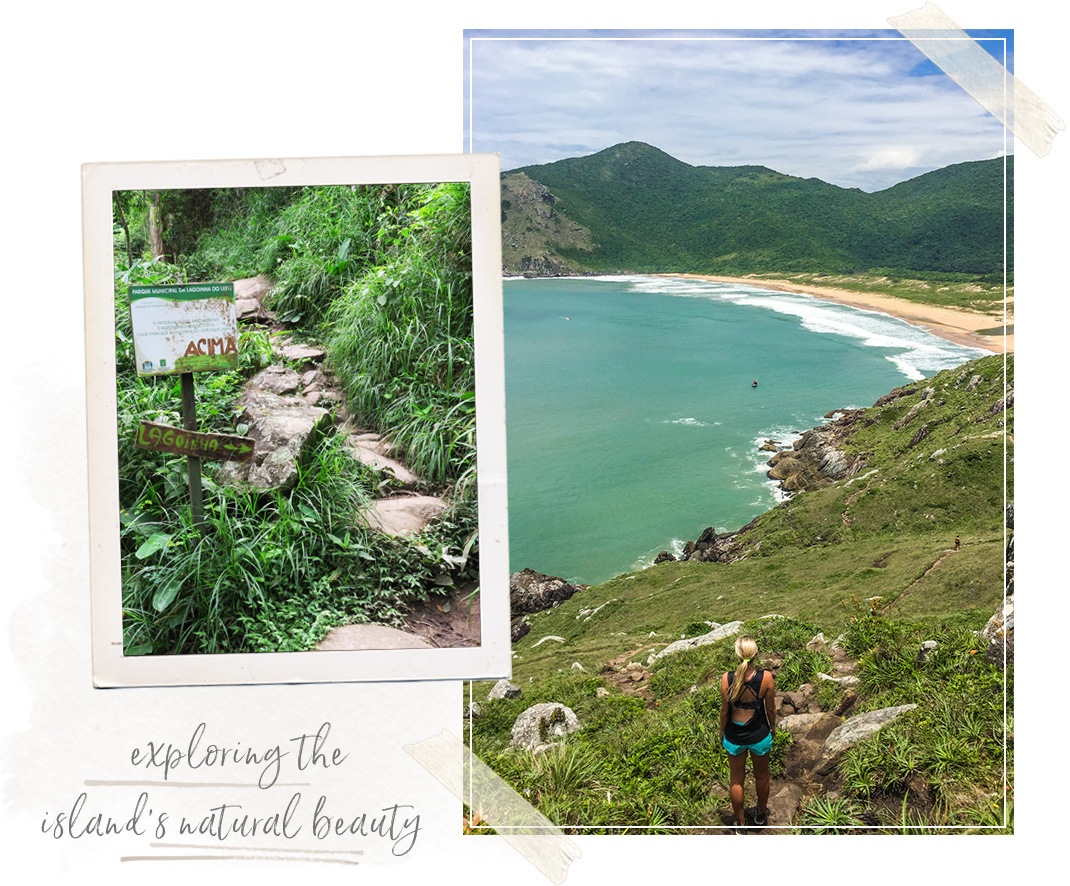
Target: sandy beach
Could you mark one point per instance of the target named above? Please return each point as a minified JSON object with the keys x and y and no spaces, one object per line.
{"x":951,"y":324}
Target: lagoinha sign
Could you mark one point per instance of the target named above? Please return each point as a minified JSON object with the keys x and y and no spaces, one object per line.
{"x":188,"y":328}
{"x":180,"y":441}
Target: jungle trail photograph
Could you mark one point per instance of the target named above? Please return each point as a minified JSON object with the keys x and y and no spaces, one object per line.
{"x":296,"y":418}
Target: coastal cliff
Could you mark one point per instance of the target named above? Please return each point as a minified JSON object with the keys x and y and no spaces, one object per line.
{"x":535,"y":231}
{"x":941,"y":435}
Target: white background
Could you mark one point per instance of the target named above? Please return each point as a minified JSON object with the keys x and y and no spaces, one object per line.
{"x":208,"y":80}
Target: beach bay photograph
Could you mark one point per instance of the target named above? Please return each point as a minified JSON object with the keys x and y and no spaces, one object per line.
{"x":758,"y":305}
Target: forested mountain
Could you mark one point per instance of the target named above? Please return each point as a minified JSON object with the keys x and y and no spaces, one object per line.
{"x":634,"y":208}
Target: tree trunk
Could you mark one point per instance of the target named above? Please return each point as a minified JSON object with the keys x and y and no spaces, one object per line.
{"x":155,"y":225}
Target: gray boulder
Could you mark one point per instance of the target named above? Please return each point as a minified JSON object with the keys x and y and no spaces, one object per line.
{"x":519,"y":628}
{"x":250,"y":295}
{"x":855,"y":730}
{"x":719,"y":632}
{"x":542,"y":725}
{"x":999,"y":635}
{"x":503,"y":689}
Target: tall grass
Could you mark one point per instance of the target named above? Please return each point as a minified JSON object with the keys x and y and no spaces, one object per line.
{"x":400,"y":338}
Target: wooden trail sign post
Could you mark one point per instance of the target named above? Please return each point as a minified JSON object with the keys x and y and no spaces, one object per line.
{"x":181,"y":441}
{"x":180,"y":330}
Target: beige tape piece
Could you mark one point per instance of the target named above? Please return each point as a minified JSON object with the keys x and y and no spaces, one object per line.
{"x":519,"y":823}
{"x":997,"y":90}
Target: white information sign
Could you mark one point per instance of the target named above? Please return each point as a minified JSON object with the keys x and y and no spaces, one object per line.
{"x":189,"y":328}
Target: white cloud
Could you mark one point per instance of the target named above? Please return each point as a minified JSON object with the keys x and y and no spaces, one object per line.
{"x":891,"y":158}
{"x":852,"y":112}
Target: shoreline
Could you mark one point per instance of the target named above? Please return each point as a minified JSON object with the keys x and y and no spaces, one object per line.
{"x":951,"y":324}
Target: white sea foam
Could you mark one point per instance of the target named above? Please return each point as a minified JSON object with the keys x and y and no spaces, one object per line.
{"x":915,"y":352}
{"x":690,"y":421}
{"x":674,"y":547}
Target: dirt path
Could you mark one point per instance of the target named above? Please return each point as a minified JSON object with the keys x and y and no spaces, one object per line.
{"x":448,"y":621}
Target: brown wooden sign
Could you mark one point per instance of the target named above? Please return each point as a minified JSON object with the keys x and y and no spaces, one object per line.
{"x":221,"y":447}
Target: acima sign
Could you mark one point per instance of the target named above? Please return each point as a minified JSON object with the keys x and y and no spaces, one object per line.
{"x":188,"y":328}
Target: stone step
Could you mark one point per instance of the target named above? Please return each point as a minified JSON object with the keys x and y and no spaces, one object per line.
{"x":372,"y":453}
{"x":349,"y":637}
{"x":402,"y":515}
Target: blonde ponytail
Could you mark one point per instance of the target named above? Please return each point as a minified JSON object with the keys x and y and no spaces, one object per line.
{"x":746,"y":650}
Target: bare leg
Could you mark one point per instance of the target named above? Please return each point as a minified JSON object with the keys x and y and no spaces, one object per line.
{"x":737,"y":770}
{"x":761,"y":780}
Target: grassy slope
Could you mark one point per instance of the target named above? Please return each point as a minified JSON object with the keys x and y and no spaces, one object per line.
{"x":903,"y":510}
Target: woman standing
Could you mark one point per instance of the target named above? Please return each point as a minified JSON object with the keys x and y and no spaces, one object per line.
{"x":748,"y":723}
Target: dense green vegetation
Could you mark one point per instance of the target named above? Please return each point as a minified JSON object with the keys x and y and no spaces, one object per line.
{"x":869,"y":558}
{"x":360,"y":270}
{"x":648,"y":212}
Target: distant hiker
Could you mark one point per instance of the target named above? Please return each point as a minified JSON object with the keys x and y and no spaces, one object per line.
{"x":958,"y":542}
{"x":750,"y":696}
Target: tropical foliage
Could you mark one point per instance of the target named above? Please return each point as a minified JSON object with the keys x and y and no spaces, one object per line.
{"x":381,"y":276}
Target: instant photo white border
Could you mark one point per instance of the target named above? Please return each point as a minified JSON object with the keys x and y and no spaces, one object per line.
{"x":111,"y":668}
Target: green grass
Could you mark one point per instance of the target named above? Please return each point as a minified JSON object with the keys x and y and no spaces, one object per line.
{"x":884,"y":580}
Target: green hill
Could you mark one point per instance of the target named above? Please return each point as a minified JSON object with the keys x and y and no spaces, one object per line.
{"x":634,"y":208}
{"x":870,"y":558}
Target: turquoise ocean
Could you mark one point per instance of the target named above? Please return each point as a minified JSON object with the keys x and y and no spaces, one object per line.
{"x":631,"y":419}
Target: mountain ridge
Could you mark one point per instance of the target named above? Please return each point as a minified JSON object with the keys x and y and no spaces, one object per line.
{"x":633,"y":208}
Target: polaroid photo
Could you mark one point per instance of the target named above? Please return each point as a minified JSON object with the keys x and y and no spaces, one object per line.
{"x":296,"y":420}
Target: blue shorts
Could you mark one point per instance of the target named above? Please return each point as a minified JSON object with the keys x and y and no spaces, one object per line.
{"x":761,"y":748}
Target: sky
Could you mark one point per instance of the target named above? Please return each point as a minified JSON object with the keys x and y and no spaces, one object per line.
{"x":857,"y":109}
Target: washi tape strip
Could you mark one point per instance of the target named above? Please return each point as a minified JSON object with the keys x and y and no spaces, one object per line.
{"x":959,"y":56}
{"x":519,"y":823}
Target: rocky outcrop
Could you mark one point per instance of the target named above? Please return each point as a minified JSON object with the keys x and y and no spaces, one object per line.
{"x":534,"y":230}
{"x":1009,"y":517}
{"x":998,"y":635}
{"x":519,"y":628}
{"x":854,"y":730}
{"x":719,"y":632}
{"x":542,"y":726}
{"x":531,"y":591}
{"x":816,"y":459}
{"x":283,"y":425}
{"x":709,"y":547}
{"x":999,"y":632}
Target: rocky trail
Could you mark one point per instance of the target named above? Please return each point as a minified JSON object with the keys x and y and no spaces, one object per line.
{"x":283,"y":407}
{"x":809,"y":759}
{"x":820,"y":735}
